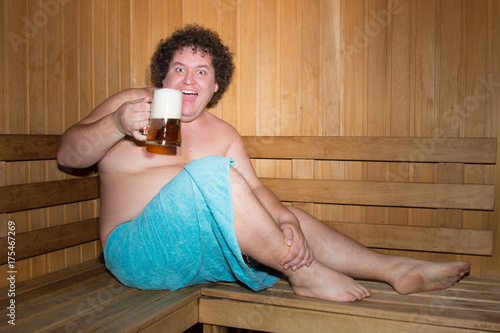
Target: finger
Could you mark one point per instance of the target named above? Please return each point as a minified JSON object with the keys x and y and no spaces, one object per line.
{"x":287,"y":261}
{"x":144,"y":130}
{"x":295,"y":257}
{"x":288,"y":233}
{"x":311,"y":258}
{"x":138,"y":136}
{"x":308,"y":259}
{"x":300,"y":260}
{"x":141,"y":104}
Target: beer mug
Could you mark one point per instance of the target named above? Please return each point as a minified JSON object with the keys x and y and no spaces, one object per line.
{"x":165,"y":124}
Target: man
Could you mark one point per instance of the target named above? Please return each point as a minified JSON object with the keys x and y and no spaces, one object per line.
{"x":199,"y":214}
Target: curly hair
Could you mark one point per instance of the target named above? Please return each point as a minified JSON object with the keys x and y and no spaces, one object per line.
{"x":200,"y":40}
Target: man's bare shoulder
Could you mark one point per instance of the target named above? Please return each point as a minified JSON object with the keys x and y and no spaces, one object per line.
{"x":208,"y":135}
{"x":221,"y":125}
{"x":224,"y":130}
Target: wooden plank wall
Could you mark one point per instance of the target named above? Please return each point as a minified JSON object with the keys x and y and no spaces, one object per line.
{"x":407,"y":68}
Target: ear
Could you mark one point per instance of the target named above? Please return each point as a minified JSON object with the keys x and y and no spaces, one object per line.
{"x":163,"y":82}
{"x":216,"y":87}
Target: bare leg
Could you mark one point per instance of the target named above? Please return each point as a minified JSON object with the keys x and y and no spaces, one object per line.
{"x":406,"y":275}
{"x":260,"y":238}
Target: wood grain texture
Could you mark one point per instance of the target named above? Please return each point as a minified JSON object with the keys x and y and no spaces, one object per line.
{"x":42,"y":147}
{"x":90,"y":298}
{"x":463,"y":150}
{"x":426,"y":68}
{"x":42,"y":241}
{"x":35,"y":195}
{"x":419,"y":195}
{"x":428,"y":239}
{"x":279,"y":309}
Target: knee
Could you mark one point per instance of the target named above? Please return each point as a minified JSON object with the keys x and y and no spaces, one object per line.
{"x":296,"y":211}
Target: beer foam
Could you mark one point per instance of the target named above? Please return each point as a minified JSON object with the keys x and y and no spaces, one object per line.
{"x":167,"y":103}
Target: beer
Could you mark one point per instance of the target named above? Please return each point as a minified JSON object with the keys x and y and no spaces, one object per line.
{"x":165,"y":134}
{"x":165,"y":124}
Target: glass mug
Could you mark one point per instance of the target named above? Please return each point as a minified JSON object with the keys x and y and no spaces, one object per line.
{"x":165,"y":123}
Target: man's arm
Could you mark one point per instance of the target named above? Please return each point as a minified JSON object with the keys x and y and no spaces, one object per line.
{"x":300,"y":254}
{"x":89,"y":140}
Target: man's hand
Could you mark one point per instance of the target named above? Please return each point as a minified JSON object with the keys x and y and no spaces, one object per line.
{"x":300,"y":254}
{"x":133,"y":116}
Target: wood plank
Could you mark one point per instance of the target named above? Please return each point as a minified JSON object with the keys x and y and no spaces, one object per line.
{"x":177,"y":321}
{"x":52,"y":290}
{"x":415,"y":238}
{"x":84,"y":311}
{"x":353,"y":115}
{"x":263,"y":317}
{"x":214,"y":329}
{"x":174,"y":311}
{"x":54,"y":277}
{"x":83,"y":286}
{"x":423,"y":195}
{"x":421,"y":308}
{"x":15,"y":65}
{"x":37,"y":242}
{"x":289,"y":61}
{"x":29,"y":147}
{"x":466,"y":150}
{"x":106,"y":310}
{"x":268,"y":44}
{"x":463,"y":150}
{"x":311,"y":69}
{"x":44,"y":194}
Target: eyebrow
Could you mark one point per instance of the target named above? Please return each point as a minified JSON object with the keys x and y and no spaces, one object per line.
{"x":177,"y":63}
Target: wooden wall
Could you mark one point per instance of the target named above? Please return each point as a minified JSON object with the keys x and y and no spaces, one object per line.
{"x":426,"y":68}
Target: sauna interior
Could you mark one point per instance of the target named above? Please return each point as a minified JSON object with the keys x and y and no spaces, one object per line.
{"x":370,"y":68}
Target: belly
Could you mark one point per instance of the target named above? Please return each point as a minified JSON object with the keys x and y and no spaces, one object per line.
{"x":124,"y":195}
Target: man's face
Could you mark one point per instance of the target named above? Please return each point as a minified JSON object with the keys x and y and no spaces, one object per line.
{"x":193,"y":74}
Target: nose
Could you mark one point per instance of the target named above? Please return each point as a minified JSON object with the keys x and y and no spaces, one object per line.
{"x":188,"y":77}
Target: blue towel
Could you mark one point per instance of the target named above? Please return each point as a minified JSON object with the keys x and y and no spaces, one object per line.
{"x":185,"y":235}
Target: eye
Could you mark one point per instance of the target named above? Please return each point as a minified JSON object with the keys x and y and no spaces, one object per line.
{"x":179,"y":70}
{"x":201,"y":72}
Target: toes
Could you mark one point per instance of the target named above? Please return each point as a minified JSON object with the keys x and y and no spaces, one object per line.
{"x":361,"y":292}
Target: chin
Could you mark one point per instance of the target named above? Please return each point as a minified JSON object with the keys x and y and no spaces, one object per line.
{"x":188,"y":119}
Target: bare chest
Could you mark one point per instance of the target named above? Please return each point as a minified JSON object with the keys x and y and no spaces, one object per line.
{"x":130,"y":156}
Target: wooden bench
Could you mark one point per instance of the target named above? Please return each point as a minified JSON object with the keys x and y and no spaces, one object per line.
{"x":310,"y":172}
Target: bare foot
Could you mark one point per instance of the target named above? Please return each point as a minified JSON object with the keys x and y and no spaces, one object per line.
{"x":412,"y":275}
{"x":319,"y":281}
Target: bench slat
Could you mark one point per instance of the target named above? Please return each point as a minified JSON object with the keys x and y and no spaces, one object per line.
{"x":165,"y":312}
{"x":413,"y":238}
{"x":268,"y":318}
{"x":425,"y":149}
{"x":37,"y":242}
{"x":23,"y":287}
{"x":279,"y":303}
{"x":416,"y":238}
{"x":392,"y":194}
{"x":459,"y":150}
{"x":97,"y":302}
{"x":28,"y":147}
{"x":35,"y":303}
{"x":53,"y":294}
{"x":45,"y":194}
{"x":81,"y":313}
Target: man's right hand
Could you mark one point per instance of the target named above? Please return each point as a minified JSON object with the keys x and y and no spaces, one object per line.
{"x":121,"y":115}
{"x":133,"y":116}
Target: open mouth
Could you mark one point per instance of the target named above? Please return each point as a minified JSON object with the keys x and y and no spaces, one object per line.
{"x":189,"y":95}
